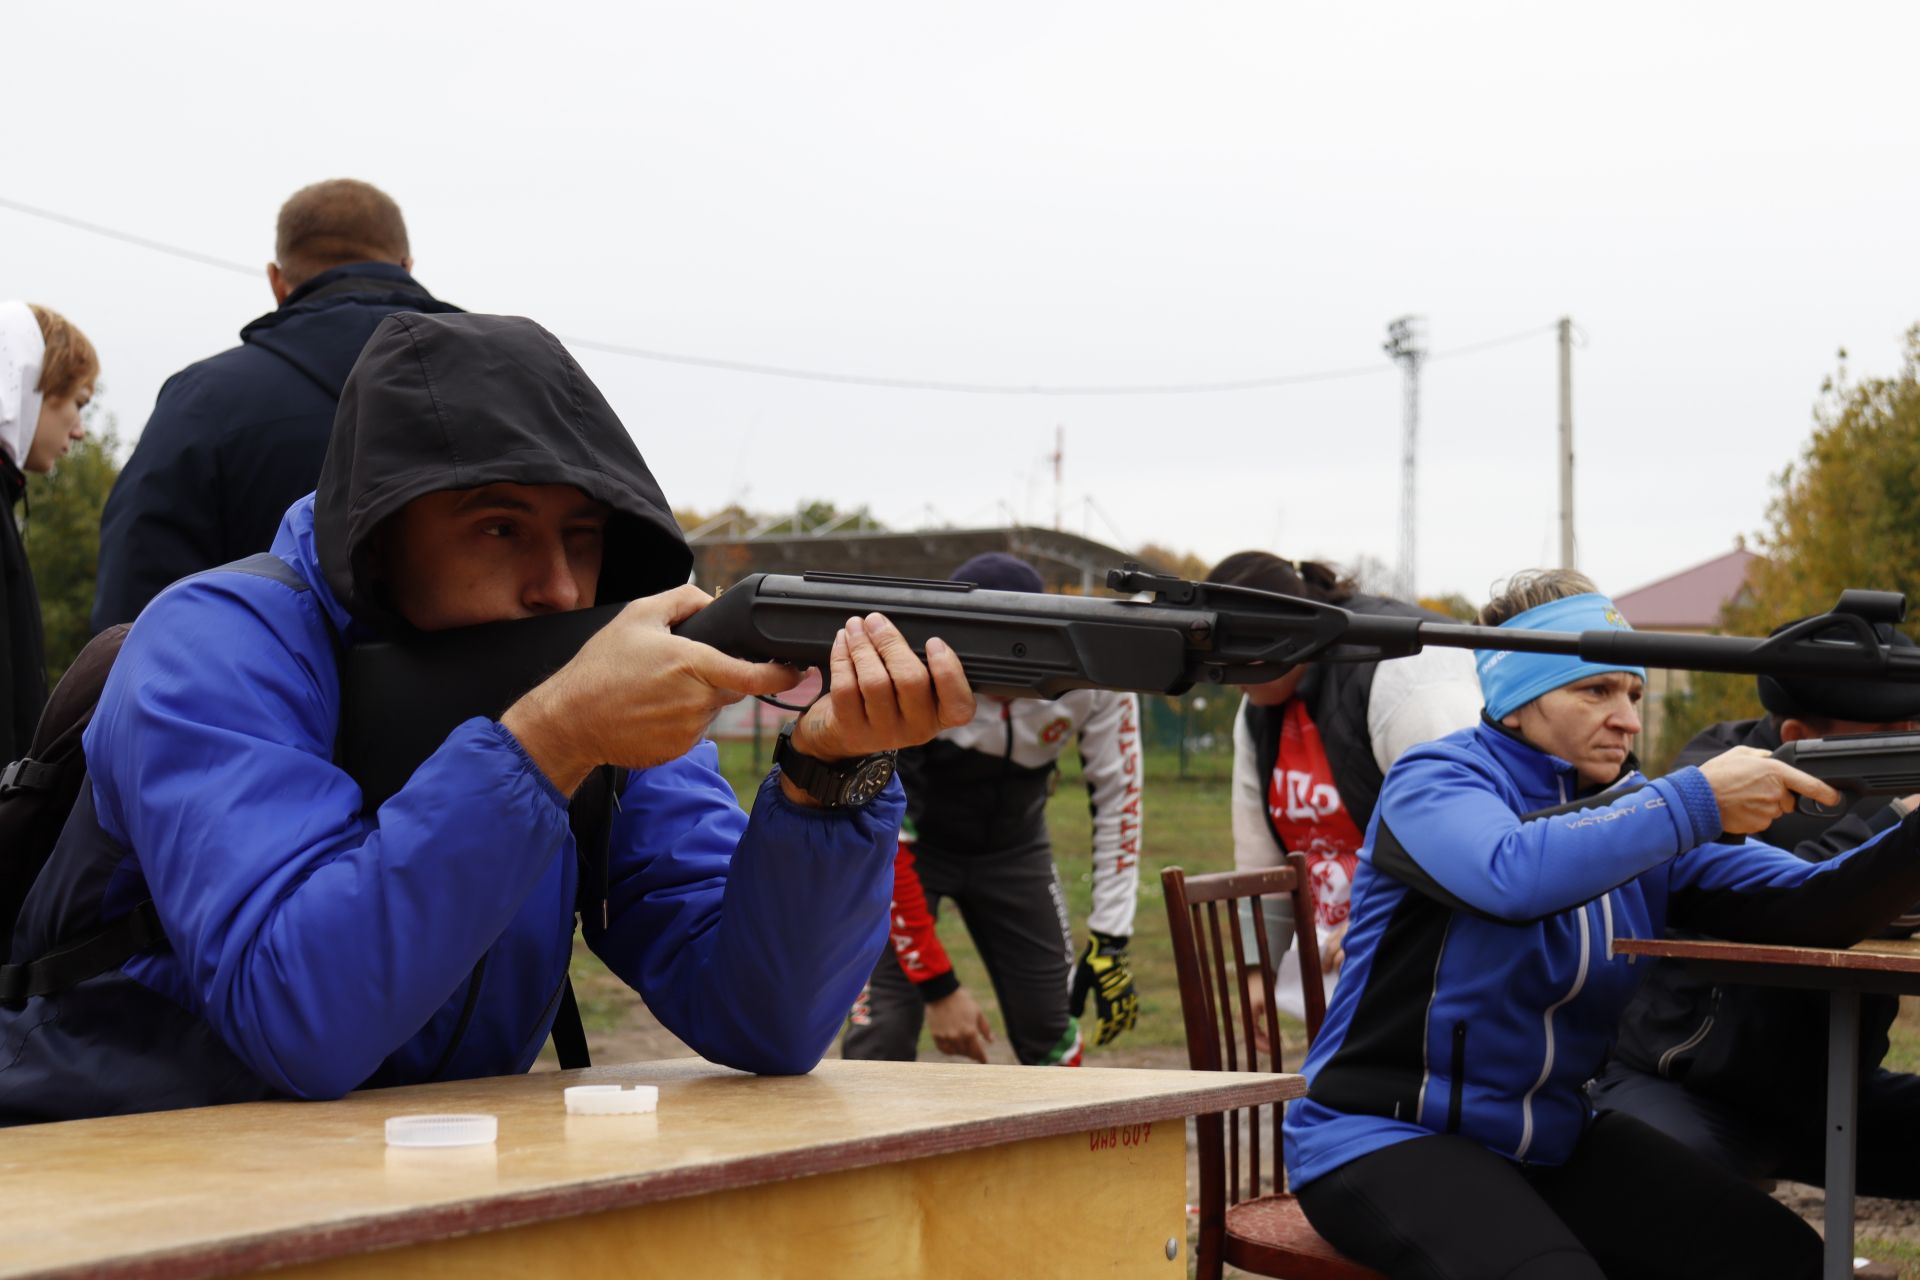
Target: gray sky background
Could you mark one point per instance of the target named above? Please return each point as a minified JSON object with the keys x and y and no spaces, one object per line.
{"x":1115,"y":193}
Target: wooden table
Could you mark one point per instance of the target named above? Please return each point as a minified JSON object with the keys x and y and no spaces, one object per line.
{"x":1891,"y":967}
{"x":859,"y":1169}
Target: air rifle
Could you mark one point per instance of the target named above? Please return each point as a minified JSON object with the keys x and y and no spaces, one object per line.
{"x":1173,"y":634}
{"x":402,"y":697}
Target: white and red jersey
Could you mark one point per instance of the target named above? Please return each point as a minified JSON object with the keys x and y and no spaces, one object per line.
{"x":984,"y":784}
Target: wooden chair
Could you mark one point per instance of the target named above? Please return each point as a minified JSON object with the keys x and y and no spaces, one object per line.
{"x":1264,"y":1233}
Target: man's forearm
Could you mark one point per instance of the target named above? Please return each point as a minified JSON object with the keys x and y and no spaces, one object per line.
{"x":551,"y":739}
{"x":802,"y":916}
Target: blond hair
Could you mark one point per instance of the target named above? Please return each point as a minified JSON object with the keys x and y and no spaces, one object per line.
{"x":1529,"y":589}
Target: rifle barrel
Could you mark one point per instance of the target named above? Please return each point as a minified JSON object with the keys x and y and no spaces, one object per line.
{"x":1743,"y":655}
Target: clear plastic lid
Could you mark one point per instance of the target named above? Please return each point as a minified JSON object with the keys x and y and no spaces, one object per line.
{"x":441,"y":1131}
{"x":611,"y":1100}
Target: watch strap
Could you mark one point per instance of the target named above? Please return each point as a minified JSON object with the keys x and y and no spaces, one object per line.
{"x":827,"y":783}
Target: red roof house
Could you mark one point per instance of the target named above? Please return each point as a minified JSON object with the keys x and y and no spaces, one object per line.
{"x":1690,"y":600}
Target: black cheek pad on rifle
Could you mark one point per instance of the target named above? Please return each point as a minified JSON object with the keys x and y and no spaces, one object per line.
{"x":399,"y":699}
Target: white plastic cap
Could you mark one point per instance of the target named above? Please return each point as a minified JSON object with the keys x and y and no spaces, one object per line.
{"x":441,"y":1131}
{"x":611,"y":1100}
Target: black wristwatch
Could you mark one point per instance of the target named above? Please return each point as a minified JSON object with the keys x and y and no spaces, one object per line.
{"x":847,"y":784}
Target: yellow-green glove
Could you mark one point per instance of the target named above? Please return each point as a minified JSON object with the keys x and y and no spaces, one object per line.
{"x":1103,"y":970}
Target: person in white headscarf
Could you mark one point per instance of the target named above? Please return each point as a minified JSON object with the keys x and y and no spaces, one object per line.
{"x":47,"y":372}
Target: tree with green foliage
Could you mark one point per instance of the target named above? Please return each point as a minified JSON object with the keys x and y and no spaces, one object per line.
{"x":1182,"y":564}
{"x":1846,"y":514}
{"x":1453,"y":604}
{"x":62,"y":535}
{"x":809,"y":517}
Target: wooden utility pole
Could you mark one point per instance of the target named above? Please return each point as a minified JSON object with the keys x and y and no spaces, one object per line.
{"x":1407,"y":345}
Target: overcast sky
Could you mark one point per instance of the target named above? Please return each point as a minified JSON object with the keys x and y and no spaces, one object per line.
{"x":1720,"y":196}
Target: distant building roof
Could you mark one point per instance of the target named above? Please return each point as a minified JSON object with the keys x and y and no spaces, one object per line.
{"x":1690,"y":600}
{"x":1065,"y":560}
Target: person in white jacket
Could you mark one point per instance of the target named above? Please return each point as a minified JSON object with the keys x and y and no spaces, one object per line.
{"x":976,"y":833}
{"x":1312,"y":745}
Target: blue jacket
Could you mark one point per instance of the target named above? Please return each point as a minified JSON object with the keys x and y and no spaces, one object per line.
{"x":311,"y":946}
{"x":237,"y":438}
{"x":1480,"y":989}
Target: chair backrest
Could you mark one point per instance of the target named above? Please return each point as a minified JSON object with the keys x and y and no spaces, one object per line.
{"x":1218,"y":966}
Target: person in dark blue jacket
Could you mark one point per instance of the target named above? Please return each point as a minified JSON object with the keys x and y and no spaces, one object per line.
{"x":304,"y":946}
{"x":235,"y":439}
{"x":1739,"y":1073}
{"x":1445,"y":1132}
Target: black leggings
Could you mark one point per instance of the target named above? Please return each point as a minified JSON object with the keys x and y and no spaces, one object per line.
{"x":1631,"y":1202}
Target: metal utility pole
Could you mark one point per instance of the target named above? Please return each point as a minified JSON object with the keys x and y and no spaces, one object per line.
{"x":1566,"y":443}
{"x":1407,"y":344}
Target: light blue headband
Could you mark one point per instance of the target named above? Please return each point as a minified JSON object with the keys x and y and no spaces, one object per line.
{"x":1510,"y":680}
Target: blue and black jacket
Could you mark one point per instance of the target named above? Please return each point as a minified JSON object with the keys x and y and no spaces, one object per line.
{"x":312,"y":947}
{"x":1480,"y":989}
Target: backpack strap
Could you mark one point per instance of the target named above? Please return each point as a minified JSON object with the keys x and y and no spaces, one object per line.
{"x":263,"y":564}
{"x":101,"y":951}
{"x":591,"y":816}
{"x":28,"y":774}
{"x":59,"y":771}
{"x":569,"y":1034}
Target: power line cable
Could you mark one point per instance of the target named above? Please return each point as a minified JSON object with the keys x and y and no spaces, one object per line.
{"x":971,"y":388}
{"x":1474,"y":348}
{"x":94,"y":228}
{"x":844,"y":379}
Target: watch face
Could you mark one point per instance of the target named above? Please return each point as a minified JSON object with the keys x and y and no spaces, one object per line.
{"x":869,"y":780}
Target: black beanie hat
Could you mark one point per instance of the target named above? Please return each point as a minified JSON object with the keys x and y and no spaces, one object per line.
{"x":1834,"y":698}
{"x":998,"y":571}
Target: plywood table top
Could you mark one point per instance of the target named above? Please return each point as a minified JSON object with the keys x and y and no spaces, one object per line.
{"x":1883,"y":955}
{"x":217,"y":1190}
{"x":1886,"y":965}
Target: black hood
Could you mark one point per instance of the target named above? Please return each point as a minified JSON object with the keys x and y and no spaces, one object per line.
{"x":1841,"y":698}
{"x":1728,"y":734}
{"x":459,"y":401}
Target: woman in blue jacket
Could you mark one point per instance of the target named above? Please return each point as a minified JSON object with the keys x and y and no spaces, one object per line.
{"x":1445,"y":1132}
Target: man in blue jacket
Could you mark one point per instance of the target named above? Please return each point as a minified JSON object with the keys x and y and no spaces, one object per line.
{"x":234,"y":440}
{"x":304,"y":946}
